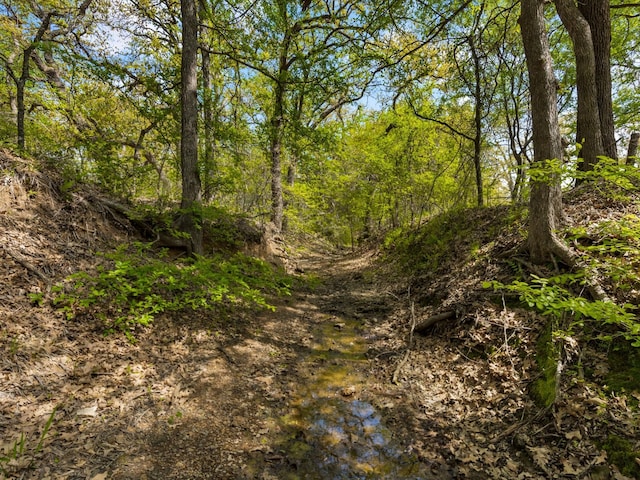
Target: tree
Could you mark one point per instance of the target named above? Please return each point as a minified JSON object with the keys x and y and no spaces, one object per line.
{"x":545,"y":206}
{"x":190,"y":206}
{"x":315,"y":47}
{"x":588,"y":129}
{"x":30,"y":27}
{"x":597,"y":15}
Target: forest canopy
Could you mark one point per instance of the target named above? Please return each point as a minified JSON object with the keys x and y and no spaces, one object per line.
{"x":344,"y":118}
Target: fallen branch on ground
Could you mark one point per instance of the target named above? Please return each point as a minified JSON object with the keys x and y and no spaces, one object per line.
{"x":24,"y":263}
{"x":396,"y":373}
{"x":432,"y":320}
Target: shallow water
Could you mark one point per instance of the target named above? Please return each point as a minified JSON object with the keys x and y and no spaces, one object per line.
{"x":337,"y":433}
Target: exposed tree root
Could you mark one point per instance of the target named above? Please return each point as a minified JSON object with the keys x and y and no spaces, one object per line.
{"x":17,"y":258}
{"x":570,"y":258}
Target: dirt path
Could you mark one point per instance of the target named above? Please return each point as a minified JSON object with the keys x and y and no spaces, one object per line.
{"x":304,"y":392}
{"x":290,"y":397}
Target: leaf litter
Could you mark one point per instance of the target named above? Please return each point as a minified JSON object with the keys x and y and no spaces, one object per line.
{"x":199,"y":398}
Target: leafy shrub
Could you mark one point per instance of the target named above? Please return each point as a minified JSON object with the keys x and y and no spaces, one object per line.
{"x":136,"y":285}
{"x":551,"y":297}
{"x":613,"y":248}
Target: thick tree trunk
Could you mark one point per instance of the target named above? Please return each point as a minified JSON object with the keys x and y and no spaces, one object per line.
{"x":596,"y":13}
{"x":190,"y":220}
{"x":589,"y":133}
{"x":546,"y":201}
{"x":277,"y":133}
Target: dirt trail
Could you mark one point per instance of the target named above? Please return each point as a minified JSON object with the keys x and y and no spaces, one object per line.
{"x":302,"y":392}
{"x":289,"y":397}
{"x":194,"y":397}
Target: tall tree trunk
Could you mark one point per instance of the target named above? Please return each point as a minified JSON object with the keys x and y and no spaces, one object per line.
{"x":208,"y":162}
{"x":589,"y":133}
{"x":477,"y":139}
{"x":20,"y":112}
{"x":546,"y":201}
{"x":277,"y":134}
{"x":191,"y":215}
{"x":207,"y":115}
{"x":596,"y":13}
{"x":25,"y":75}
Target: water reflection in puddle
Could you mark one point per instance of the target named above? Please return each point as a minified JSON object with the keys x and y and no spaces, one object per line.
{"x":337,"y":434}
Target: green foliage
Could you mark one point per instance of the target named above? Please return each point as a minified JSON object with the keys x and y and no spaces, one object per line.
{"x":383,"y":171}
{"x":553,"y":297}
{"x":36,"y":298}
{"x":612,"y":178}
{"x":425,"y":248}
{"x":623,"y":454}
{"x":136,"y":285}
{"x":613,"y":247}
{"x":456,"y":234}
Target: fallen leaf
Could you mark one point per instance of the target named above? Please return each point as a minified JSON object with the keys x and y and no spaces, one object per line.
{"x":568,"y":468}
{"x":573,"y":435}
{"x":540,"y":455}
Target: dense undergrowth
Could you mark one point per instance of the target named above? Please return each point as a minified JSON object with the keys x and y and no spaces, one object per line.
{"x":136,"y":283}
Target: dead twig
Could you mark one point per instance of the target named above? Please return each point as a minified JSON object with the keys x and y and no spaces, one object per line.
{"x":396,"y":373}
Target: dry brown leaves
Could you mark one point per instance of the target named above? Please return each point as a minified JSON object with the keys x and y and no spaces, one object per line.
{"x":197,"y":398}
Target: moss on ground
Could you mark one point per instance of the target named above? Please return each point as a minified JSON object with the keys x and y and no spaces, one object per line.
{"x":543,"y":390}
{"x":622,"y":454}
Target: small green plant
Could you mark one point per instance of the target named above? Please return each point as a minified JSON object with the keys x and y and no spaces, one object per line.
{"x":36,"y":299}
{"x":174,"y":418}
{"x":551,"y":297}
{"x":136,"y":284}
{"x":613,"y":248}
{"x":18,"y":455}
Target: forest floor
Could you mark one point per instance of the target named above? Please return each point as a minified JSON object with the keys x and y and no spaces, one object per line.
{"x":334,"y":383}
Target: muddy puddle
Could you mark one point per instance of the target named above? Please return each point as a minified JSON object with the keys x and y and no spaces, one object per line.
{"x":335,"y":433}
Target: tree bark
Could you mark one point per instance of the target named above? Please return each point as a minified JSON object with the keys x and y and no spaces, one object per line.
{"x":25,"y":75}
{"x":190,"y":206}
{"x":633,"y":148}
{"x":277,"y":128}
{"x":477,"y":140}
{"x":596,"y":13}
{"x":589,"y":133}
{"x":545,"y":207}
{"x":207,"y":116}
{"x":208,"y":162}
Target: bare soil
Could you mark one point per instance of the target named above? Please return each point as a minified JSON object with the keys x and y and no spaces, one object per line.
{"x":206,"y":398}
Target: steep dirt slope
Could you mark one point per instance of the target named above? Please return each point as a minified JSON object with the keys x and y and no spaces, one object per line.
{"x":470,"y":378}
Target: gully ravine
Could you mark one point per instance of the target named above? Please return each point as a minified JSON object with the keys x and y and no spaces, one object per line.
{"x":330,"y":426}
